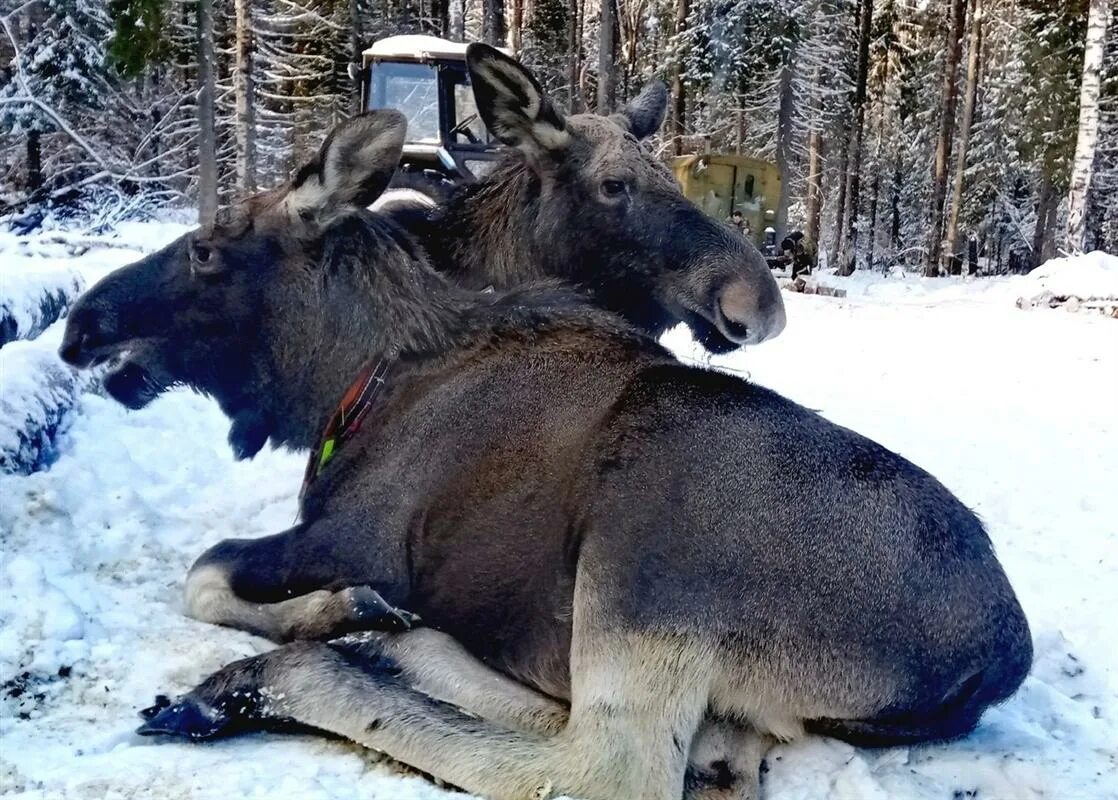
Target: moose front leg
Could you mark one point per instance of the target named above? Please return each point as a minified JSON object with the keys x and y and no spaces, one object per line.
{"x":636,"y":707}
{"x":292,"y":585}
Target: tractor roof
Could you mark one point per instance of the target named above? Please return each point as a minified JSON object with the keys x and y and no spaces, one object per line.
{"x":417,"y":48}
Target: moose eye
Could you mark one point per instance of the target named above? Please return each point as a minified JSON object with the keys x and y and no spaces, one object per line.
{"x":204,"y":260}
{"x":611,"y":187}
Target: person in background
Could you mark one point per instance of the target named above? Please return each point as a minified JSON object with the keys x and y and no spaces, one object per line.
{"x":795,"y":253}
{"x":737,"y":220}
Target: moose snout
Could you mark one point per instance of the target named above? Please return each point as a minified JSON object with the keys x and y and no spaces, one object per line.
{"x":749,"y":312}
{"x":84,"y":338}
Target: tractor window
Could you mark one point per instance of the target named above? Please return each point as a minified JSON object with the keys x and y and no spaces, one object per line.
{"x":412,"y":89}
{"x":468,"y":127}
{"x":465,"y":124}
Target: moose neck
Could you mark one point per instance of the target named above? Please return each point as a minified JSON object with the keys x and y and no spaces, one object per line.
{"x":377,"y":301}
{"x":487,"y":234}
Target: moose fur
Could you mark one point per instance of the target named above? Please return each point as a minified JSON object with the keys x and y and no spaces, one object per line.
{"x":621,"y":559}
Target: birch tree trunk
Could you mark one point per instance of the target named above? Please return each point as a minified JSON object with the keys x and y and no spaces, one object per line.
{"x":1088,"y":139}
{"x":814,"y":187}
{"x":607,"y":56}
{"x":946,"y":132}
{"x":679,"y":88}
{"x":952,"y":265}
{"x":207,"y":138}
{"x":245,"y":91}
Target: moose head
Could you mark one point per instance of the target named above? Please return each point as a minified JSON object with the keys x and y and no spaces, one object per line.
{"x":271,"y":311}
{"x":586,"y":201}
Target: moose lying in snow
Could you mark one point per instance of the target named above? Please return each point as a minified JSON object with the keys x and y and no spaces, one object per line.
{"x":577,"y":516}
{"x":576,"y":199}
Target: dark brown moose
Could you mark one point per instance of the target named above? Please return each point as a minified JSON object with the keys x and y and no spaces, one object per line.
{"x":622,"y":560}
{"x":579,"y":198}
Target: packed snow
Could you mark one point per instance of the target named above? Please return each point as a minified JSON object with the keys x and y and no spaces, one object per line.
{"x":1013,"y":411}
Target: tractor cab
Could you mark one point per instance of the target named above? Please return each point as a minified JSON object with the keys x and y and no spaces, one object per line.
{"x":426,"y":79}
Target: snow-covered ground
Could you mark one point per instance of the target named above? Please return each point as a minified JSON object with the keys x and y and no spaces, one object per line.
{"x":1015,"y":411}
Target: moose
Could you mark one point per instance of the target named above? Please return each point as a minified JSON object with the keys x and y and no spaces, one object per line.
{"x":618,"y":557}
{"x":575,"y":199}
{"x":578,"y":198}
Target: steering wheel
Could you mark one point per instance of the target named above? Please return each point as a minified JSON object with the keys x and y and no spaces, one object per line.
{"x":463,"y":128}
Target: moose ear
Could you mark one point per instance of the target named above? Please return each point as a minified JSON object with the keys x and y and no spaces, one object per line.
{"x":355,"y":164}
{"x":646,"y":112}
{"x":512,"y":103}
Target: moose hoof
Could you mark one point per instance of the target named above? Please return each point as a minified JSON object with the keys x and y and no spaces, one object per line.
{"x":229,"y":701}
{"x":369,"y":611}
{"x":188,"y":718}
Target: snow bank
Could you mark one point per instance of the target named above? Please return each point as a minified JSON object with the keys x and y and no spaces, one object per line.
{"x":31,"y":301}
{"x":36,"y":392}
{"x":1081,"y":279}
{"x":40,"y":277}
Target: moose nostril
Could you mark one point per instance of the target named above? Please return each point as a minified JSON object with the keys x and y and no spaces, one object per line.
{"x":738,"y":303}
{"x":751,"y":313}
{"x":72,"y":351}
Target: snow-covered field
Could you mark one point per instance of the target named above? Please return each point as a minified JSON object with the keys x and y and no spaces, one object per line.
{"x":1016,"y":411}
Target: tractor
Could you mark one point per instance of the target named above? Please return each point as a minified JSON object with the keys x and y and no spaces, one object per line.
{"x":426,"y":79}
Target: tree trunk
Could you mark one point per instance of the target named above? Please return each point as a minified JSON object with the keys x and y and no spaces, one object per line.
{"x":1088,"y":139}
{"x":245,"y":90}
{"x":840,"y":206}
{"x":679,"y":88}
{"x":356,"y":45}
{"x":784,"y":144}
{"x":456,"y":20}
{"x":953,"y":49}
{"x":574,"y":56}
{"x":951,"y":263}
{"x":849,"y":248}
{"x":879,"y":165}
{"x":516,"y":23}
{"x":814,"y":187}
{"x":895,"y":210}
{"x":607,"y":57}
{"x":1045,"y":219}
{"x":875,"y":192}
{"x":207,"y":138}
{"x":34,"y":161}
{"x":493,"y":21}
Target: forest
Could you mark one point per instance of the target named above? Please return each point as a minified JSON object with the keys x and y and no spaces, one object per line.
{"x":940,"y":136}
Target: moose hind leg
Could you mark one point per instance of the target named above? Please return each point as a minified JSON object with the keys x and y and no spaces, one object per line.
{"x":435,"y":663}
{"x":280,"y":587}
{"x":620,"y":743}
